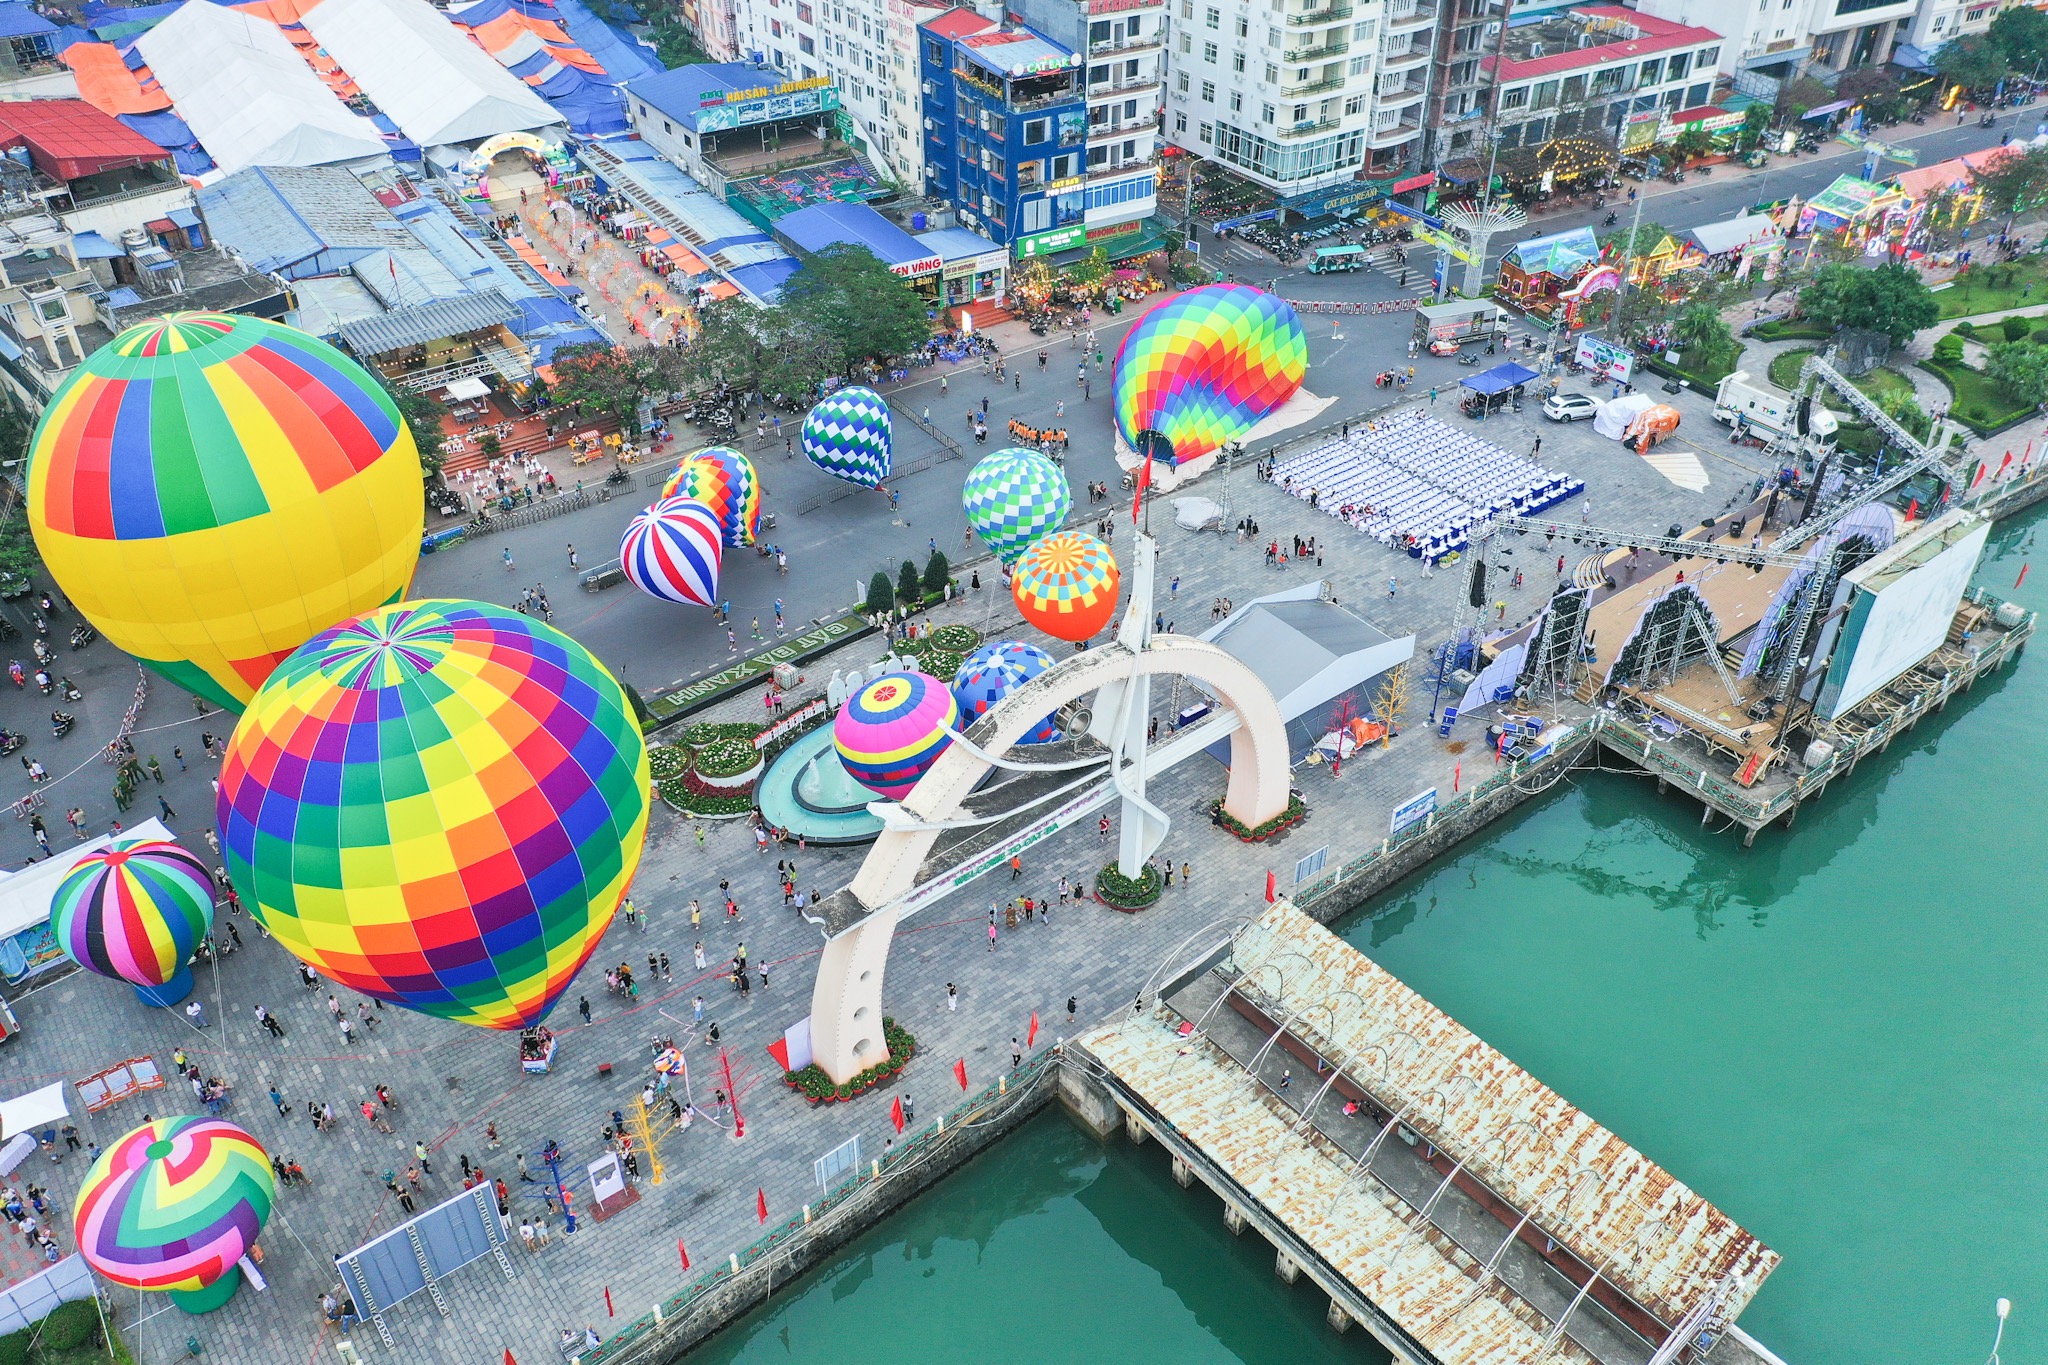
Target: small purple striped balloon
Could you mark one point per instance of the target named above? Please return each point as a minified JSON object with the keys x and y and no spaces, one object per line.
{"x":672,"y":551}
{"x":135,"y":910}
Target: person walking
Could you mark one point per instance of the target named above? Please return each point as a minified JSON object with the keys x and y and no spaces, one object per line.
{"x":419,"y":1152}
{"x":508,"y":559}
{"x":165,"y":807}
{"x":196,"y":1012}
{"x":952,"y":997}
{"x":269,"y":1022}
{"x":583,"y":1007}
{"x":1073,"y":1007}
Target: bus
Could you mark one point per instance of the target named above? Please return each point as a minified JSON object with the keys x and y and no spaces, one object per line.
{"x":1332,"y":259}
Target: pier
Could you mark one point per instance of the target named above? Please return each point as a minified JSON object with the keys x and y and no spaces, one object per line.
{"x":1445,"y":1200}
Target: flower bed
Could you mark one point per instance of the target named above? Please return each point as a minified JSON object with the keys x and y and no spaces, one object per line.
{"x":1296,"y":812}
{"x":962,"y":640}
{"x":1980,"y":404}
{"x":665,"y":761}
{"x":818,"y":1088}
{"x":1119,"y":892}
{"x":724,"y":759}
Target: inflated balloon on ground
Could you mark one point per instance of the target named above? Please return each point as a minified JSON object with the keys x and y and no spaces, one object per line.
{"x":440,"y":805}
{"x":848,"y":436}
{"x":1202,"y":368}
{"x":1012,"y":498}
{"x":135,"y":911}
{"x":723,"y":480}
{"x":672,"y":551}
{"x":213,"y":490}
{"x":173,"y":1205}
{"x":992,"y":673}
{"x":891,"y":731}
{"x":1066,"y":585}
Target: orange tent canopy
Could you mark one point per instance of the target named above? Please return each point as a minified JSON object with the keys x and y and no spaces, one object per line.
{"x":106,"y":83}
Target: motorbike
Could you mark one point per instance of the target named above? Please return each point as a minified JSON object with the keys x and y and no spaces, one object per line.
{"x":9,"y":741}
{"x":69,"y":690}
{"x":42,"y":652}
{"x":83,"y":635}
{"x":1986,"y":122}
{"x":1468,"y":359}
{"x":618,"y":476}
{"x":1608,"y":221}
{"x":1917,"y":118}
{"x":61,"y":723}
{"x":43,"y":683}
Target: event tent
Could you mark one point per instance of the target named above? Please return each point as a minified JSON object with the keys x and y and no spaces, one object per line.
{"x":1500,"y":378}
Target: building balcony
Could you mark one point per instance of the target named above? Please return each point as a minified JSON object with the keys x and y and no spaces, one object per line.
{"x":1325,"y":14}
{"x":1403,"y":61}
{"x":1324,"y":52}
{"x":1147,"y":122}
{"x":1311,"y":125}
{"x":1156,"y":38}
{"x":1408,"y":93}
{"x":1394,"y":134}
{"x":1119,"y":89}
{"x":1290,"y":89}
{"x":1401,"y":18}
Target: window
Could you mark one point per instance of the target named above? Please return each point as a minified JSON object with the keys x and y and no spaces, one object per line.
{"x":1187,"y":9}
{"x":1705,"y":59}
{"x":1272,"y":74}
{"x":665,"y":128}
{"x":1130,"y":109}
{"x":1355,"y":105}
{"x":1362,"y":30}
{"x":1098,"y":75}
{"x":804,"y":45}
{"x":775,"y":27}
{"x":1697,"y":95}
{"x":1214,"y":17}
{"x":1677,"y":66}
{"x":1244,"y":27}
{"x":1546,"y":94}
{"x":1036,"y":131}
{"x":1651,"y":73}
{"x":1357,"y":68}
{"x":1180,"y":81}
{"x":1265,"y":113}
{"x":1187,"y":44}
{"x":1208,"y":92}
{"x":1098,"y":32}
{"x":1272,"y":37}
{"x":1574,"y":89}
{"x":1180,"y":123}
{"x":1517,"y":98}
{"x":1209,"y":53}
{"x":803,"y":12}
{"x":1133,"y":27}
{"x":1066,"y":167}
{"x":1237,"y":62}
{"x":1236,"y":100}
{"x":1206,"y":132}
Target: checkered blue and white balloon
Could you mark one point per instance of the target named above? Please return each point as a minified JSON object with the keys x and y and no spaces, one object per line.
{"x":848,"y":436}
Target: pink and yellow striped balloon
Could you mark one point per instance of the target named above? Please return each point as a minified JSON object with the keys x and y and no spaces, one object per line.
{"x":173,"y":1205}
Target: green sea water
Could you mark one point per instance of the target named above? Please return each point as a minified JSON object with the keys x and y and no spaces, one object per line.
{"x":1836,"y":1035}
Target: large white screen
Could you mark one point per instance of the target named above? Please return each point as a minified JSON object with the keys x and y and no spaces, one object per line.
{"x":1906,"y":620}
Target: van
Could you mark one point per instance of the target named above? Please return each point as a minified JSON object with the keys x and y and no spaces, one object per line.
{"x":1331,"y":260}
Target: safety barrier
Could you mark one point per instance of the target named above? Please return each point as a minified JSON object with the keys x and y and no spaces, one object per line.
{"x":1375,"y":307}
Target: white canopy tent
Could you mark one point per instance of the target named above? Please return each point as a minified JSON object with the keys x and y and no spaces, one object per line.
{"x":433,"y":81}
{"x":248,"y":97}
{"x":45,"y":1108}
{"x":462,"y":390}
{"x":25,"y":895}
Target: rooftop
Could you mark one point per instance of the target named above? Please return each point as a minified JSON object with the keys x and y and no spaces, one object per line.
{"x":822,"y":225}
{"x":69,"y":139}
{"x":1016,"y":52}
{"x":685,"y":92}
{"x":421,"y":323}
{"x":1592,"y":36}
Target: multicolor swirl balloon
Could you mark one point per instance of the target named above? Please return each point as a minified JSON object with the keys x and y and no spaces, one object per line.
{"x":1066,"y":585}
{"x":891,"y":731}
{"x":135,"y":910}
{"x":213,"y":490}
{"x":1203,"y":367}
{"x":848,"y":436}
{"x":992,"y":673}
{"x":1012,"y":498}
{"x":173,"y":1205}
{"x":438,"y":804}
{"x":723,"y":480}
{"x":671,"y":551}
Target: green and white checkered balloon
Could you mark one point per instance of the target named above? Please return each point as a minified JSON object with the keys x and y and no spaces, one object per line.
{"x":847,"y":436}
{"x":1012,"y":498}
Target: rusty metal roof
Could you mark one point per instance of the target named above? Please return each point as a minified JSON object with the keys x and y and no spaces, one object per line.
{"x":1649,"y":1234}
{"x":1424,"y":1282}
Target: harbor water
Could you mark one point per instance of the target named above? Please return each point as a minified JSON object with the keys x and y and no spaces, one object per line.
{"x":1834,"y":1035}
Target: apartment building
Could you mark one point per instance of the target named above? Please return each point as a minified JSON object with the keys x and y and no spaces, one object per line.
{"x":1467,"y":32}
{"x":1598,"y":68}
{"x":1125,"y":45}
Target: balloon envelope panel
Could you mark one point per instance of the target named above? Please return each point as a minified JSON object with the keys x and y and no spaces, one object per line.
{"x":1205,"y":366}
{"x":1012,"y":498}
{"x":992,"y":673}
{"x":672,"y":551}
{"x":1066,"y":585}
{"x":725,"y":481}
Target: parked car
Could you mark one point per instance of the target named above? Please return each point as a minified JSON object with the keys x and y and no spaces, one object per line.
{"x":1568,"y":407}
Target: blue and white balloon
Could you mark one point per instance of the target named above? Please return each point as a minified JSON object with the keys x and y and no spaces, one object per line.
{"x":848,"y":436}
{"x":992,"y":673}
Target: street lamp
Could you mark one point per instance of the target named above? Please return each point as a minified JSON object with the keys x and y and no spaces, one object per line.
{"x":2004,"y":1308}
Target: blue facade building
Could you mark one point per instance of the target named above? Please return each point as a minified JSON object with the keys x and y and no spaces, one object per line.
{"x":1005,"y":126}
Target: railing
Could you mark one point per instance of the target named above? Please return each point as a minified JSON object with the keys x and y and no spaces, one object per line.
{"x":133,"y":192}
{"x":1312,"y":88}
{"x":1420,"y":14}
{"x":1328,"y":14}
{"x":643,"y":1340}
{"x":1127,"y":43}
{"x":1322,"y":53}
{"x":1310,"y":125}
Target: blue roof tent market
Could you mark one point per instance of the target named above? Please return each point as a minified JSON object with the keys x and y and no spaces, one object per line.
{"x":736,"y":248}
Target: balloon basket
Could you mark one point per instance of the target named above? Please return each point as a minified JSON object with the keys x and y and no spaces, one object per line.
{"x":205,"y":1300}
{"x":168,"y":994}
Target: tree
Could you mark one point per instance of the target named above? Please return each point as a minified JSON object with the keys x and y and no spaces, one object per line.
{"x":937,"y":572}
{"x":908,"y":585}
{"x":1639,"y":240}
{"x":1756,"y":121}
{"x":607,"y":380}
{"x":1692,"y":144}
{"x":2013,"y":182}
{"x":423,"y":418}
{"x":766,"y":350}
{"x":1948,"y":349}
{"x":1971,"y":62}
{"x":1796,"y":97}
{"x":881,"y":597}
{"x":2021,"y":37}
{"x":2020,"y":370}
{"x":1891,"y":299}
{"x":858,"y":309}
{"x":1703,"y":338}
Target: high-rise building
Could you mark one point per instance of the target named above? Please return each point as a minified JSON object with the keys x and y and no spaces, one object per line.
{"x":1466,"y":34}
{"x":1598,"y":69}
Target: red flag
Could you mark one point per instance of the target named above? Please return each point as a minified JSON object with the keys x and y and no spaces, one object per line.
{"x":1978,"y":477}
{"x":1031,"y":1034}
{"x":761,"y":1203}
{"x":896,"y":1114}
{"x":508,"y":1357}
{"x":2023,"y":575}
{"x":609,"y":1311}
{"x":779,"y":1050}
{"x":960,"y":1072}
{"x":683,"y":1252}
{"x":1913,"y":510}
{"x":1457,"y":772}
{"x":1144,"y":482}
{"x":1272,"y":888}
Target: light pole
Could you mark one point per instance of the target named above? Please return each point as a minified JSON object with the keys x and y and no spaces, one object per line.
{"x":2004,"y":1308}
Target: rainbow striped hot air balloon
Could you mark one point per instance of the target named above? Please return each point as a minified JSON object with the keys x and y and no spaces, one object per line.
{"x":1066,"y":585}
{"x":438,"y":804}
{"x":992,"y":673}
{"x":213,"y":490}
{"x":173,"y":1205}
{"x":723,"y":480}
{"x":135,"y":910}
{"x":1203,"y":367}
{"x":848,"y":436}
{"x":671,"y":551}
{"x":893,"y":729}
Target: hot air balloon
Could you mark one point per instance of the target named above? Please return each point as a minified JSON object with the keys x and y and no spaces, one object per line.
{"x":213,"y":490}
{"x":1202,"y":368}
{"x":848,"y":436}
{"x":135,"y":910}
{"x":1012,"y":498}
{"x":671,"y":551}
{"x":891,"y":731}
{"x":723,"y":480}
{"x":1066,"y":585}
{"x":173,"y":1205}
{"x":438,"y":804}
{"x":991,"y":673}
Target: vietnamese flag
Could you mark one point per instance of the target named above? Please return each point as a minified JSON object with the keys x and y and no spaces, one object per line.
{"x":896,"y":1114}
{"x":1031,"y":1034}
{"x":683,"y":1252}
{"x":1913,"y":510}
{"x":960,"y":1072}
{"x":1272,"y":888}
{"x":779,"y":1050}
{"x":761,"y":1203}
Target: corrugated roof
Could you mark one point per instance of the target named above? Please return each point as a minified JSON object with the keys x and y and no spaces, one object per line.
{"x":822,"y":225}
{"x":248,"y":96}
{"x":1013,"y":51}
{"x":956,"y":244}
{"x":421,"y":323}
{"x":278,"y":216}
{"x":435,"y":83}
{"x":680,"y":93}
{"x":69,"y":139}
{"x":957,"y":23}
{"x":1655,"y":1238}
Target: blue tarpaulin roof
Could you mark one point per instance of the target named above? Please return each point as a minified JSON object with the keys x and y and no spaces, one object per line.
{"x":92,"y":246}
{"x":1499,"y":379}
{"x":822,"y":225}
{"x":536,"y":313}
{"x":19,"y":21}
{"x":165,"y":128}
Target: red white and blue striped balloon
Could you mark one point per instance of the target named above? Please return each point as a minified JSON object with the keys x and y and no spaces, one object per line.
{"x":672,"y":551}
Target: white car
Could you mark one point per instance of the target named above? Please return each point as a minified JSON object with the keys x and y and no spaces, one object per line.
{"x":1568,"y":407}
